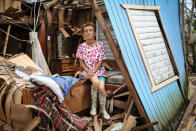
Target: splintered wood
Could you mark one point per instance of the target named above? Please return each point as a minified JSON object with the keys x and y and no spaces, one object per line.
{"x":189,"y":117}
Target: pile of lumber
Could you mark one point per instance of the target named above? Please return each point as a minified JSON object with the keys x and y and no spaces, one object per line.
{"x":12,"y":110}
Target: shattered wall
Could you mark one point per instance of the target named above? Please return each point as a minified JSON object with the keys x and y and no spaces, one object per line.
{"x":5,"y":4}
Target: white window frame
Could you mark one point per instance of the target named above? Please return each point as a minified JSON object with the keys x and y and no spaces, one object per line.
{"x":156,"y":9}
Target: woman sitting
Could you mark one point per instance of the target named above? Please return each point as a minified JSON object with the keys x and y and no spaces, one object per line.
{"x":91,"y":55}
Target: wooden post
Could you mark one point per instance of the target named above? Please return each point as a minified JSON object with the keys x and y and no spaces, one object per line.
{"x":69,"y":17}
{"x":49,"y":54}
{"x":6,"y":40}
{"x":61,"y":17}
{"x":54,"y":13}
{"x":119,"y":61}
{"x":42,"y":36}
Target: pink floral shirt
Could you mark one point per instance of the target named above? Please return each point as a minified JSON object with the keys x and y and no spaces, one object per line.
{"x":91,"y":56}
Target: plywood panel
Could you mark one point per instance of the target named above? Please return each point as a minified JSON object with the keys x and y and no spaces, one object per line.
{"x":24,"y":60}
{"x":2,"y":7}
{"x":8,"y":4}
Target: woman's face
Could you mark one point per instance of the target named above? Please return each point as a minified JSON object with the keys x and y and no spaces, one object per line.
{"x":88,"y":33}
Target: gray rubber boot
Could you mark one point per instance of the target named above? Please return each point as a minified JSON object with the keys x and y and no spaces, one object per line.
{"x":102,"y":101}
{"x":93,"y":111}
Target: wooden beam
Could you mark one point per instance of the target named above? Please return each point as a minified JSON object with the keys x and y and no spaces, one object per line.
{"x":64,"y":32}
{"x":42,"y":36}
{"x":118,"y":89}
{"x":61,"y":13}
{"x":49,"y":25}
{"x":120,"y":104}
{"x":119,"y":61}
{"x":145,"y":126}
{"x":122,"y":94}
{"x":6,"y":40}
{"x":49,"y":4}
{"x":54,"y":13}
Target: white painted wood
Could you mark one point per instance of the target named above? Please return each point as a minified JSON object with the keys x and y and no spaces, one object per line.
{"x":150,"y":35}
{"x":151,"y":41}
{"x":146,"y":24}
{"x":140,"y":7}
{"x":144,"y":18}
{"x":152,"y":44}
{"x":141,"y":13}
{"x":147,"y":30}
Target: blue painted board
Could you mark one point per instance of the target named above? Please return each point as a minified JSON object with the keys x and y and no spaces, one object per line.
{"x":162,"y":104}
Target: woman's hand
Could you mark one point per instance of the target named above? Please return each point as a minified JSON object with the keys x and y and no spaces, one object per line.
{"x":90,"y":74}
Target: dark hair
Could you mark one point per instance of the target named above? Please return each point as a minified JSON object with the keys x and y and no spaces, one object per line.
{"x":87,"y":24}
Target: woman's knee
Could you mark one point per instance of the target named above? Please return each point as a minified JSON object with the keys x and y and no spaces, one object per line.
{"x":102,"y":87}
{"x":95,"y":82}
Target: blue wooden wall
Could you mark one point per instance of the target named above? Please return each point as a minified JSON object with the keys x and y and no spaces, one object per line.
{"x":163,"y":104}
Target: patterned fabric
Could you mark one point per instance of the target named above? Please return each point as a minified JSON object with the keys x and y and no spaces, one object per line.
{"x":64,"y":82}
{"x":58,"y":113}
{"x":91,"y":56}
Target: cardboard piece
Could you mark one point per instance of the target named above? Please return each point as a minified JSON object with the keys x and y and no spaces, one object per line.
{"x":20,"y":115}
{"x":78,"y":98}
{"x":24,"y":60}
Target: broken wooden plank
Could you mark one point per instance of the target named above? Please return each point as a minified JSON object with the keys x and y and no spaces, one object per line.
{"x":65,"y":70}
{"x":32,"y":124}
{"x":111,"y":105}
{"x":75,"y":2}
{"x":127,"y":113}
{"x":61,"y":13}
{"x":118,"y":89}
{"x":189,"y":110}
{"x":2,"y":93}
{"x":149,"y":125}
{"x":130,"y":123}
{"x":25,"y":61}
{"x":189,"y":124}
{"x":120,"y":104}
{"x":64,"y":32}
{"x":110,"y":127}
{"x":121,"y":94}
{"x":112,"y":74}
{"x":6,"y":40}
{"x":49,"y":4}
{"x":96,"y":124}
{"x":117,"y":116}
{"x":8,"y":104}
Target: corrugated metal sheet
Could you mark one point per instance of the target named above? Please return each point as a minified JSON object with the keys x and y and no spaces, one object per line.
{"x":164,"y":104}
